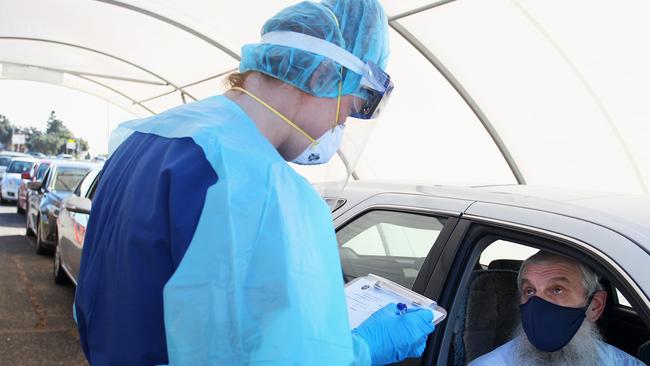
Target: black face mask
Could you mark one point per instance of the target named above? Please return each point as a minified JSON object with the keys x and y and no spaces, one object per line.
{"x":550,"y":327}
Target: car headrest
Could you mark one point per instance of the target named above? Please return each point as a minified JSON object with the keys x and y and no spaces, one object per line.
{"x":511,"y":264}
{"x":492,"y":311}
{"x":644,"y":353}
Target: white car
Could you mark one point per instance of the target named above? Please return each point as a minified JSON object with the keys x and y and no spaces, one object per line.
{"x":5,"y":159}
{"x":13,"y":177}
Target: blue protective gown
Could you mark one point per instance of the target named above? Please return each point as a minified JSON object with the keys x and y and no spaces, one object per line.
{"x":205,"y":248}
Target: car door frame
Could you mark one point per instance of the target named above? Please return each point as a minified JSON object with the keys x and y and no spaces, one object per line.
{"x":449,"y":208}
{"x":596,"y":245}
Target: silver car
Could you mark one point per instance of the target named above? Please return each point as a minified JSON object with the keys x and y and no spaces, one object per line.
{"x":71,"y":228}
{"x":45,"y":198}
{"x":463,"y":246}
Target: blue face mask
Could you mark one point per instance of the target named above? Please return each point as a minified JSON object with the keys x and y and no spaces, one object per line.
{"x":550,"y":327}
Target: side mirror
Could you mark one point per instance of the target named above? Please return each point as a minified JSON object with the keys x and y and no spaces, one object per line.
{"x":77,"y":204}
{"x":35,"y":186}
{"x":25,"y":175}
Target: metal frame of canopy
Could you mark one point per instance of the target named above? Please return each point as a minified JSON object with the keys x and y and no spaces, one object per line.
{"x":395,"y":24}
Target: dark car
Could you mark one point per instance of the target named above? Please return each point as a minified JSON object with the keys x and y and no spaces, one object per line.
{"x":45,"y":200}
{"x":71,"y":228}
{"x":36,"y":174}
{"x":463,"y":246}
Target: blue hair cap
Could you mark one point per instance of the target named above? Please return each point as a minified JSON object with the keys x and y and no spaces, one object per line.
{"x":359,"y":26}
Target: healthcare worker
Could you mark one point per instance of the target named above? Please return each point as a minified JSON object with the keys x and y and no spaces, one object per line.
{"x":205,"y":247}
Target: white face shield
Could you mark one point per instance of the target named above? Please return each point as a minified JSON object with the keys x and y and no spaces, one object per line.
{"x":375,"y":87}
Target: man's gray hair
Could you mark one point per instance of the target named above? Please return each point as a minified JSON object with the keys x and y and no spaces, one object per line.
{"x":590,"y":279}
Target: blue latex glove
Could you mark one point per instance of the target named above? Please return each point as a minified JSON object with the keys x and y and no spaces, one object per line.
{"x":392,"y":337}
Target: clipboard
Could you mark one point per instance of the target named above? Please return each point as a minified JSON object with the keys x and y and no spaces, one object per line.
{"x":365,"y":295}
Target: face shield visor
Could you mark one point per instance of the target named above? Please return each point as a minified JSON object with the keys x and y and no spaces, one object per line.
{"x":369,"y":100}
{"x":375,"y":86}
{"x":375,"y":89}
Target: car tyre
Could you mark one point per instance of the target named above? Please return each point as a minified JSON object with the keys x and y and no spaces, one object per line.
{"x":28,"y":230}
{"x":60,"y":277}
{"x":40,"y":248}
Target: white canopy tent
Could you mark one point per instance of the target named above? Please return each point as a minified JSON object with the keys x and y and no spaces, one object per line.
{"x":544,"y":92}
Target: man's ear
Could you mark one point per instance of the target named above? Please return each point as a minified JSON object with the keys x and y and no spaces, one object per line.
{"x":597,"y":305}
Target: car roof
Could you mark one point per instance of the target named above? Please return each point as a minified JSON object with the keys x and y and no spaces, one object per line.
{"x":24,"y":158}
{"x":628,"y":214}
{"x":12,"y":154}
{"x":72,"y":164}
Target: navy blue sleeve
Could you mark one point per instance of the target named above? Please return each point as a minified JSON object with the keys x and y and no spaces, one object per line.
{"x":144,"y":214}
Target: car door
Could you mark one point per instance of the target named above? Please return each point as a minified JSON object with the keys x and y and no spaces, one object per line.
{"x":79,"y":222}
{"x":396,"y":236}
{"x":468,"y":333}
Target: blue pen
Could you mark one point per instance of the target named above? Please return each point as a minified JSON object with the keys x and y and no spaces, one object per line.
{"x":402,"y":308}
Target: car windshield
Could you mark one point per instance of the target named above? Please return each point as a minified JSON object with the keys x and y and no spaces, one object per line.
{"x":20,"y":167}
{"x":4,"y":161}
{"x":68,"y":178}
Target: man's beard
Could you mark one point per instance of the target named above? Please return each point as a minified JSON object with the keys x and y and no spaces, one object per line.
{"x":581,"y":350}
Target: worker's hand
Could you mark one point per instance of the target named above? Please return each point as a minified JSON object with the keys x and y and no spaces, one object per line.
{"x":392,"y":337}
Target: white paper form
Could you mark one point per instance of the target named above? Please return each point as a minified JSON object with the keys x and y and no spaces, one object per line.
{"x":365,"y":296}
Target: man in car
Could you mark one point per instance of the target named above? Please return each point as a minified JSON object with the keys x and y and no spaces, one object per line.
{"x":561,"y":300}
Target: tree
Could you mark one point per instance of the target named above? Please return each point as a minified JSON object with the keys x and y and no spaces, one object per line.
{"x":46,"y":143}
{"x":82,"y":145}
{"x":5,"y":130}
{"x":56,"y":127}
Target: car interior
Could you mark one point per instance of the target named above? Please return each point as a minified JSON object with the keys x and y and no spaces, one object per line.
{"x":487,"y":315}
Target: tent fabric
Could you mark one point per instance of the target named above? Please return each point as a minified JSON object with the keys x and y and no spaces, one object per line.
{"x":486,"y":91}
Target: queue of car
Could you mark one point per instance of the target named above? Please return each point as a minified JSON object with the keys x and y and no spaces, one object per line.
{"x":45,"y":199}
{"x":450,"y":243}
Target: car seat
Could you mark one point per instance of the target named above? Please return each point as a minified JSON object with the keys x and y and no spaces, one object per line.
{"x":644,"y":353}
{"x":511,"y":264}
{"x":488,"y":316}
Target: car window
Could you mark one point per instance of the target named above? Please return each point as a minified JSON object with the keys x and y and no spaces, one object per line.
{"x":42,"y":169}
{"x":4,"y":160}
{"x":483,"y":303}
{"x":501,"y":251}
{"x":389,"y":244}
{"x":621,"y":300}
{"x":93,"y":188}
{"x":86,"y":183}
{"x":19,"y":167}
{"x":67,"y":178}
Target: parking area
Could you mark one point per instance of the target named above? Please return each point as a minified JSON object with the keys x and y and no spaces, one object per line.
{"x":36,"y":325}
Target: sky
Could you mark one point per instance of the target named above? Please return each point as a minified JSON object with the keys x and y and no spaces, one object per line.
{"x":28,"y":104}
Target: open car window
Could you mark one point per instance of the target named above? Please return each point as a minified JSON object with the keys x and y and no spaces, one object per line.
{"x":485,"y":310}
